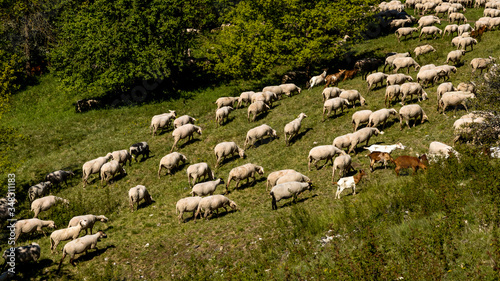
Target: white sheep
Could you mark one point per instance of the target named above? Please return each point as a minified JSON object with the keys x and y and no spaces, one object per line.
{"x":410,"y":111}
{"x":392,"y":92}
{"x":32,"y":225}
{"x":296,"y":176}
{"x":226,"y":101}
{"x":481,"y":63}
{"x":161,"y":121}
{"x":109,"y":170}
{"x":330,"y":92}
{"x":455,"y":56}
{"x":443,"y":88}
{"x":21,"y":255}
{"x":466,"y":41}
{"x":342,"y":141}
{"x":343,"y":164}
{"x":456,"y":40}
{"x":316,"y":80}
{"x":242,"y":172}
{"x":322,"y":152}
{"x":256,"y":108}
{"x":213,"y":203}
{"x":451,"y":28}
{"x":221,"y":114}
{"x":45,"y":203}
{"x":273,"y":177}
{"x":59,"y":176}
{"x":378,"y":77}
{"x":457,"y":17}
{"x":352,"y":96}
{"x":430,"y":30}
{"x":267,"y":97}
{"x":493,"y":23}
{"x":448,"y":70}
{"x":292,"y":128}
{"x":334,"y":104}
{"x":422,"y":50}
{"x":79,"y":246}
{"x":442,"y":8}
{"x":183,"y":120}
{"x":431,"y":75}
{"x":171,"y":161}
{"x":90,"y":221}
{"x":277,"y":90}
{"x":454,"y":99}
{"x":381,"y":116}
{"x":39,"y":190}
{"x":362,"y":135}
{"x":188,"y":204}
{"x":412,"y":88}
{"x":184,"y":131}
{"x":140,"y":148}
{"x":136,"y":194}
{"x":464,"y":28}
{"x":65,"y":234}
{"x":405,"y":62}
{"x":427,"y":67}
{"x":466,"y":87}
{"x":206,"y":188}
{"x":199,"y":170}
{"x":287,"y":190}
{"x":225,"y":149}
{"x":426,"y":21}
{"x":360,"y":116}
{"x":258,"y":133}
{"x":398,"y":79}
{"x":289,"y":88}
{"x":94,"y":167}
{"x":122,"y":156}
{"x":390,"y":59}
{"x":404,"y":31}
{"x":245,"y":97}
{"x":439,"y":149}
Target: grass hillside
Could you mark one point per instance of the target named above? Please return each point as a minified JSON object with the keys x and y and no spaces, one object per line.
{"x":441,"y":224}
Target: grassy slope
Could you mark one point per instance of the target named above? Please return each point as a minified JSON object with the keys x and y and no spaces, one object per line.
{"x":255,"y":241}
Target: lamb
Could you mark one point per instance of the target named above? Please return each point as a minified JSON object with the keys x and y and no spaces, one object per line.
{"x":342,"y":141}
{"x":405,"y":62}
{"x":213,"y":203}
{"x":348,"y":182}
{"x":421,"y":50}
{"x":381,"y":116}
{"x":188,"y":204}
{"x":94,"y":167}
{"x":464,"y":28}
{"x":289,"y":88}
{"x":287,"y":190}
{"x":361,"y":116}
{"x":375,"y":78}
{"x":322,"y":152}
{"x":79,"y":246}
{"x":136,"y":194}
{"x":45,"y":203}
{"x":221,"y":114}
{"x":140,"y":148}
{"x":443,"y":88}
{"x":161,"y":121}
{"x":454,"y":99}
{"x":439,"y":149}
{"x":273,"y":177}
{"x":481,"y":63}
{"x":171,"y":161}
{"x":65,"y":234}
{"x":405,"y":31}
{"x":199,"y":170}
{"x":22,"y":255}
{"x":455,"y":56}
{"x":352,"y":96}
{"x":59,"y":176}
{"x":226,"y":101}
{"x":256,"y":108}
{"x":377,"y":157}
{"x":430,"y":30}
{"x":258,"y":133}
{"x":39,"y":190}
{"x":295,"y":176}
{"x":451,"y":28}
{"x":224,"y":149}
{"x":331,"y":92}
{"x":410,"y":111}
{"x":392,"y":92}
{"x":90,"y":219}
{"x":183,"y":120}
{"x":390,"y":59}
{"x":122,"y":156}
{"x":412,"y":88}
{"x":184,"y":131}
{"x":292,"y":128}
{"x":316,"y":80}
{"x":343,"y":164}
{"x":206,"y":188}
{"x":333,"y":104}
{"x":428,"y":21}
{"x":384,"y":148}
{"x":361,"y":136}
{"x":246,"y":171}
{"x":410,"y":161}
{"x":245,"y":97}
{"x":108,"y":170}
{"x":32,"y":225}
{"x":431,"y":75}
{"x":398,"y":79}
{"x":457,"y":17}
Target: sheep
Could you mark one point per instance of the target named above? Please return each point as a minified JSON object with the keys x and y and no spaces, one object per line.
{"x":184,"y":131}
{"x":361,"y":116}
{"x":79,"y":246}
{"x":343,"y":164}
{"x":292,"y":128}
{"x":161,"y":121}
{"x":334,"y":104}
{"x":256,"y":108}
{"x":171,"y":161}
{"x":451,"y":28}
{"x":491,"y":12}
{"x":45,"y":203}
{"x":32,"y":225}
{"x":296,"y":176}
{"x":466,"y":87}
{"x":287,"y":190}
{"x":421,"y":50}
{"x":448,"y":70}
{"x":426,"y":21}
{"x":322,"y":152}
{"x":412,"y":88}
{"x":213,"y":203}
{"x":59,"y":176}
{"x":199,"y":170}
{"x":392,"y":92}
{"x":377,"y":157}
{"x":397,"y":23}
{"x":224,"y":149}
{"x":381,"y":116}
{"x":384,"y":148}
{"x":389,"y":60}
{"x":348,"y":182}
{"x":367,"y":66}
{"x":398,"y":79}
{"x":188,"y":204}
{"x":65,"y":234}
{"x":361,"y":136}
{"x":442,"y":8}
{"x":431,"y":75}
{"x":90,"y":219}
{"x":39,"y":190}
{"x":242,"y":172}
{"x":404,"y":31}
{"x":403,"y":162}
{"x":258,"y":133}
{"x":94,"y":167}
{"x":206,"y":188}
{"x":289,"y":88}
{"x":136,"y":194}
{"x":456,"y":40}
{"x":481,"y":24}
{"x":352,"y":96}
{"x":316,"y":80}
{"x":410,"y":111}
{"x":221,"y":114}
{"x":330,"y":92}
{"x":273,"y":177}
{"x":245,"y":97}
{"x":277,"y":90}
{"x":183,"y":120}
{"x":457,"y":17}
{"x":122,"y":156}
{"x":430,"y":30}
{"x":267,"y":97}
{"x":455,"y":56}
{"x":467,"y":41}
{"x":226,"y":101}
{"x":454,"y":99}
{"x":427,"y":67}
{"x":342,"y":141}
{"x":405,"y":62}
{"x":439,"y":149}
{"x":21,"y":255}
{"x":375,"y":78}
{"x":481,"y":63}
{"x":443,"y":88}
{"x":464,"y":28}
{"x":108,"y":170}
{"x":494,"y":22}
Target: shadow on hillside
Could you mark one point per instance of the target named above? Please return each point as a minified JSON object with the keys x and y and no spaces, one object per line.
{"x":335,"y":115}
{"x":226,"y":160}
{"x":173,"y":170}
{"x":299,"y":200}
{"x":92,"y":254}
{"x":33,"y":270}
{"x":248,"y":184}
{"x":299,"y":136}
{"x":263,"y":141}
{"x":191,"y":141}
{"x":261,"y":116}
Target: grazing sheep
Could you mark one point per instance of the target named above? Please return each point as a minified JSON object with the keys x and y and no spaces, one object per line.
{"x":188,"y":204}
{"x":428,"y":21}
{"x":403,"y":162}
{"x":352,"y":96}
{"x":361,"y":116}
{"x":79,"y":246}
{"x":161,"y":121}
{"x":226,"y":101}
{"x":455,"y":56}
{"x":442,"y":8}
{"x":108,"y":171}
{"x":292,"y":128}
{"x":256,"y":108}
{"x":379,"y":157}
{"x":273,"y":177}
{"x":206,"y":188}
{"x":242,"y":172}
{"x":431,"y":75}
{"x":398,"y":79}
{"x":45,"y":203}
{"x":245,"y":97}
{"x":32,"y":225}
{"x":94,"y":167}
{"x":466,"y":87}
{"x":39,"y":190}
{"x":443,"y":88}
{"x":405,"y":62}
{"x":384,"y":148}
{"x":122,"y":156}
{"x":184,"y":131}
{"x":334,"y":104}
{"x":481,"y":63}
{"x":343,"y":164}
{"x":342,"y":141}
{"x":316,"y":80}
{"x":451,"y":28}
{"x":140,"y":148}
{"x":322,"y":152}
{"x":22,"y":255}
{"x":65,"y":234}
{"x":331,"y":92}
{"x":221,"y":114}
{"x":412,"y":88}
{"x":258,"y":133}
{"x":267,"y":97}
{"x":410,"y":111}
{"x":427,"y":67}
{"x":348,"y":182}
{"x":390,"y":59}
{"x":199,"y":170}
{"x":405,"y":31}
{"x":277,"y":90}
{"x":381,"y":116}
{"x":289,"y":88}
{"x":467,"y":41}
{"x":397,"y":23}
{"x":361,"y":136}
{"x":454,"y":99}
{"x":287,"y":190}
{"x":171,"y":161}
{"x":296,"y":176}
{"x":375,"y":78}
{"x":456,"y":40}
{"x":90,"y":219}
{"x":59,"y":176}
{"x":224,"y":149}
{"x":439,"y":149}
{"x":430,"y":30}
{"x":457,"y":17}
{"x":464,"y":28}
{"x":183,"y":120}
{"x":213,"y":203}
{"x":448,"y":70}
{"x":136,"y":194}
{"x":392,"y":92}
{"x":422,"y":50}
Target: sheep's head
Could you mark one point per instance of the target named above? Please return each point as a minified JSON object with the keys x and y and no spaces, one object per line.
{"x":260,"y":170}
{"x":233,"y":205}
{"x":52,"y":225}
{"x":424,"y":95}
{"x":183,"y":158}
{"x":109,"y":156}
{"x":362,"y":100}
{"x":198,"y":130}
{"x":102,"y":218}
{"x":83,"y":223}
{"x":241,"y":152}
{"x":101,"y":235}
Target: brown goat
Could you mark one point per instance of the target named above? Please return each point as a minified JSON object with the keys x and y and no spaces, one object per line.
{"x":349,"y":74}
{"x":377,"y":157}
{"x":333,"y":79}
{"x":403,"y":162}
{"x":477,"y":34}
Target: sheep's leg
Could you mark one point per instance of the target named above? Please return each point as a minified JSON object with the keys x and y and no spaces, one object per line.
{"x":175,"y":143}
{"x":354,"y":189}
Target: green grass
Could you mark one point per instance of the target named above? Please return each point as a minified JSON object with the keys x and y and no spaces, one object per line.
{"x":412,"y":226}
